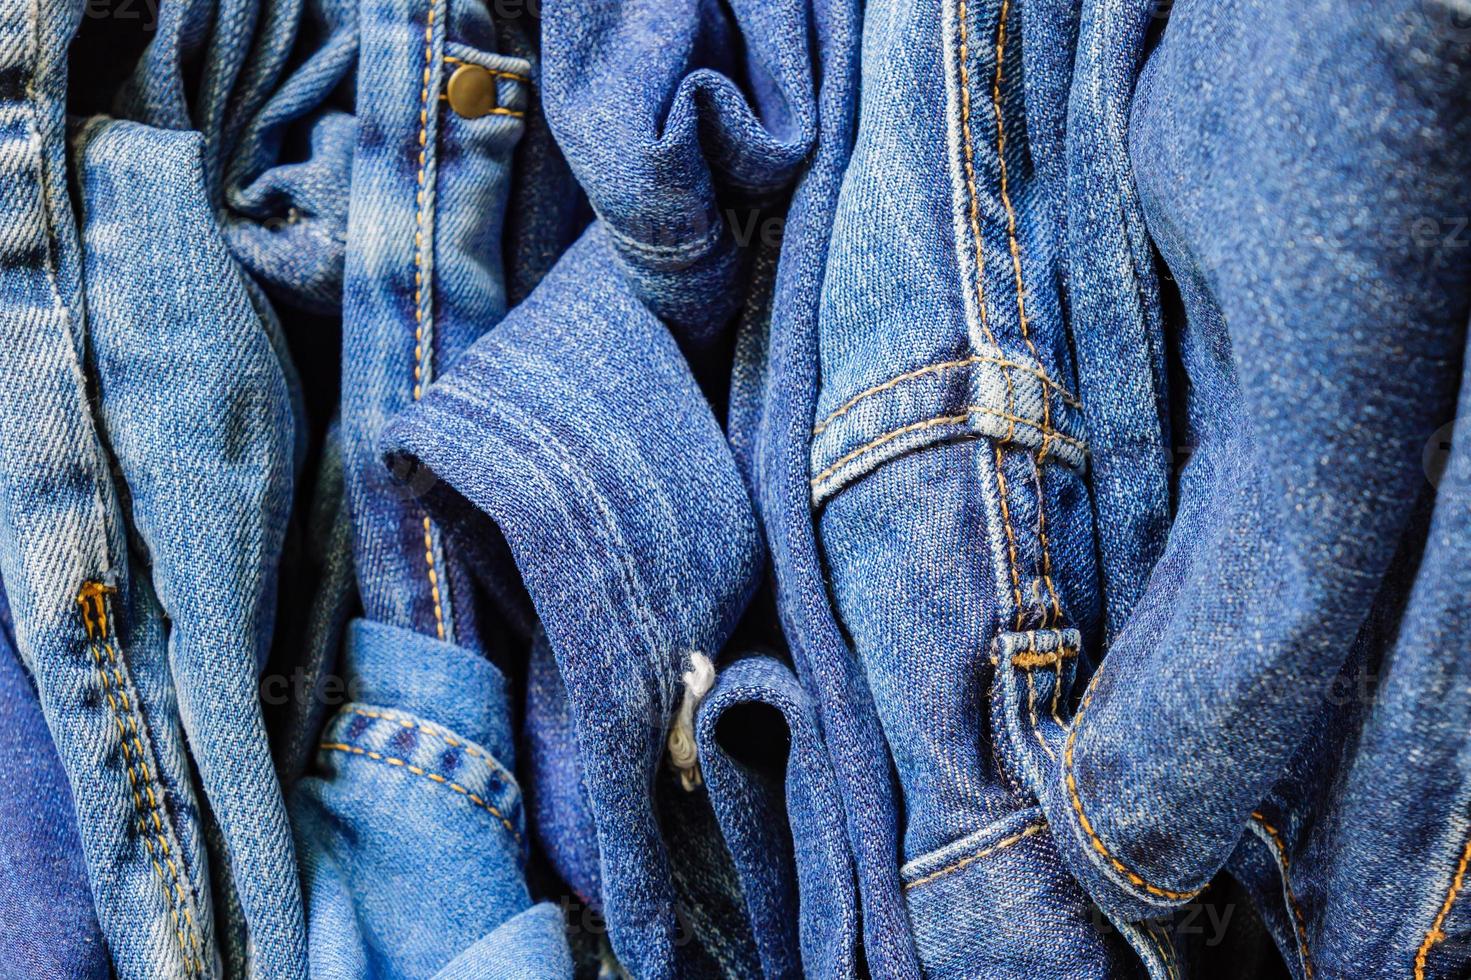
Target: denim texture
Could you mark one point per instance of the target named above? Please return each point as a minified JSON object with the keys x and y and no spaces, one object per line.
{"x":413,"y":780}
{"x":774,"y":793}
{"x":194,"y":397}
{"x":1273,"y":744}
{"x":51,"y":928}
{"x":578,"y":429}
{"x":947,"y":466}
{"x":88,"y":629}
{"x":833,"y":488}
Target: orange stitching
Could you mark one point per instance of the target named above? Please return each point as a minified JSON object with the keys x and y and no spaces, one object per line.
{"x":1077,"y":804}
{"x":1029,"y":831}
{"x":421,"y":349}
{"x":417,"y":771}
{"x":1302,"y":930}
{"x":433,"y":576}
{"x":451,"y":60}
{"x":887,"y":437}
{"x":1161,"y":945}
{"x":1435,"y":935}
{"x":92,"y":599}
{"x":893,"y":434}
{"x":1040,"y":375}
{"x":1016,"y":586}
{"x":1021,"y":306}
{"x":1042,"y":658}
{"x":470,"y":750}
{"x":970,"y":181}
{"x":1016,"y":259}
{"x":1032,"y":706}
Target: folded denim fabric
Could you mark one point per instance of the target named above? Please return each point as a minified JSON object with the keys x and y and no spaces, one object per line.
{"x":578,"y":429}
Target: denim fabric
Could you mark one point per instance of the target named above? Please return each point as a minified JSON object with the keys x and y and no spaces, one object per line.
{"x":411,"y":829}
{"x":1117,"y":326}
{"x":947,"y":466}
{"x":578,"y":429}
{"x":773,"y":790}
{"x":195,"y":399}
{"x":412,"y":783}
{"x":1294,"y":648}
{"x":782,"y":365}
{"x":678,"y":119}
{"x":86,"y":627}
{"x":424,"y":279}
{"x":50,"y":928}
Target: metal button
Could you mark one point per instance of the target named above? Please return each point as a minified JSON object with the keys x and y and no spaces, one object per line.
{"x":472,"y":91}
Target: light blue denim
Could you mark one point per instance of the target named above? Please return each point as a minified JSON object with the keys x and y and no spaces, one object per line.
{"x":409,"y":821}
{"x":143,"y":616}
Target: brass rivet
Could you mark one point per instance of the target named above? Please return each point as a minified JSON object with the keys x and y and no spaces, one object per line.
{"x":471,"y":91}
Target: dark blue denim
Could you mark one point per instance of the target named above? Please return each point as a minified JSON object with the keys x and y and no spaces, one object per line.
{"x":51,"y":931}
{"x":577,"y":428}
{"x":1284,"y":694}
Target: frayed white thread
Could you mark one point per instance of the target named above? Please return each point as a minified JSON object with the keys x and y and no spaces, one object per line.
{"x":682,"y":751}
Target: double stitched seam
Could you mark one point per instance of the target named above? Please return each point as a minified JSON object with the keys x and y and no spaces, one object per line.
{"x":452,"y":60}
{"x":1037,"y":373}
{"x":469,"y":750}
{"x":1055,"y":613}
{"x":432,"y":776}
{"x":1030,"y":659}
{"x":970,"y":859}
{"x":1163,"y":946}
{"x":1299,"y":924}
{"x":421,"y":347}
{"x":1435,"y":935}
{"x":957,"y":419}
{"x":93,"y":600}
{"x":975,"y":231}
{"x":1083,"y":821}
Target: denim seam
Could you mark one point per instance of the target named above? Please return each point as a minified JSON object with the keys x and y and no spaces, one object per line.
{"x":1008,"y":721}
{"x":396,"y":762}
{"x":423,"y":349}
{"x":956,"y":419}
{"x":1077,"y":804}
{"x":445,"y":737}
{"x":1164,"y":947}
{"x":1284,"y":868}
{"x":1036,"y":372}
{"x":985,"y":852}
{"x":450,"y":59}
{"x":1434,"y":934}
{"x":1054,"y":615}
{"x":92,"y":599}
{"x":973,"y":214}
